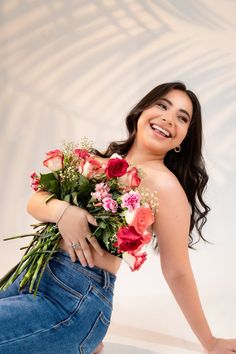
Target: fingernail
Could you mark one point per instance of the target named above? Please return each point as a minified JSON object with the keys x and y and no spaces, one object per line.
{"x":91,"y":265}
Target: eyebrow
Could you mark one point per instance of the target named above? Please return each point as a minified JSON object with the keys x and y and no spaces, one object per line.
{"x":181,"y":109}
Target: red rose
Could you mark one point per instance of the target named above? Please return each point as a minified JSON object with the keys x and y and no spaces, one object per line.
{"x":116,"y":167}
{"x":128,"y":239}
{"x":54,"y":160}
{"x":134,"y":260}
{"x":143,"y":218}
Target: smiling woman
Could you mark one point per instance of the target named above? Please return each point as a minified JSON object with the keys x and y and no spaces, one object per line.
{"x":169,"y":118}
{"x":180,"y":154}
{"x":165,"y":140}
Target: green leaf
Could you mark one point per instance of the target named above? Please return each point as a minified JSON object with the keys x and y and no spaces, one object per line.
{"x":84,"y":192}
{"x":51,"y":183}
{"x":102,"y":225}
{"x":67,"y":198}
{"x":83,"y":184}
{"x":74,"y":197}
{"x":97,"y":232}
{"x":105,"y":239}
{"x":55,"y":188}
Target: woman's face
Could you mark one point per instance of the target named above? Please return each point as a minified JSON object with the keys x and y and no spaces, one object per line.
{"x":164,"y":126}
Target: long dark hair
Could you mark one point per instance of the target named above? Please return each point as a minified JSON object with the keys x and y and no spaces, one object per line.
{"x":187,"y":165}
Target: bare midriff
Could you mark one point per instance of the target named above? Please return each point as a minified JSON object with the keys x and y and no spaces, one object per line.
{"x":107,"y":262}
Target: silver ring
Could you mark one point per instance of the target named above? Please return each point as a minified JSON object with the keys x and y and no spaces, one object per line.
{"x":76,"y":246}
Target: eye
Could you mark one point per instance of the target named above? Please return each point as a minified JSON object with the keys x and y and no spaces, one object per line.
{"x":183,"y":119}
{"x":162,"y":105}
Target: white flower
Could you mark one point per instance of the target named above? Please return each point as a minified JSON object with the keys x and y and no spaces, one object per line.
{"x":115,"y":156}
{"x":129,"y":216}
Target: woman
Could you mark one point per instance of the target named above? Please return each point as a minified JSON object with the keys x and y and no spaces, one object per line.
{"x":72,"y":310}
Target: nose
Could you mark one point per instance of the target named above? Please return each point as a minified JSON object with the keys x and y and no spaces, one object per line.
{"x":168,"y":119}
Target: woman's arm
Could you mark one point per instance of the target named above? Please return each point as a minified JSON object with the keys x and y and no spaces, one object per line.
{"x":73,"y":224}
{"x":42,"y":211}
{"x":172,"y":229}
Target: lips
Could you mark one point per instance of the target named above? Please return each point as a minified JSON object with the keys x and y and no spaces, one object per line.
{"x":158,"y":129}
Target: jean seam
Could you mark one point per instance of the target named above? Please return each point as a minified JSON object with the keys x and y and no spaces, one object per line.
{"x":83,"y":271}
{"x":101,"y":295}
{"x":61,"y":284}
{"x":99,"y":318}
{"x":55,"y":326}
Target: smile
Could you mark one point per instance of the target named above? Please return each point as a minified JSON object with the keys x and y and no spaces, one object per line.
{"x":160,"y":130}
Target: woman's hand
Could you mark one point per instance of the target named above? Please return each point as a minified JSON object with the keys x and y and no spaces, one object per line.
{"x":223,"y":346}
{"x":75,"y":231}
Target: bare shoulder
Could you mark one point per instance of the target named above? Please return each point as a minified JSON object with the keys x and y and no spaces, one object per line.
{"x":173,"y":215}
{"x":164,"y":182}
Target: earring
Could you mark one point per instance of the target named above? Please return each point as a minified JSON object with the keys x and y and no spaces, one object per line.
{"x":177,"y":149}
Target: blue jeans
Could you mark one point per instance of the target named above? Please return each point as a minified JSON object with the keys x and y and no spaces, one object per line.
{"x":70,"y":314}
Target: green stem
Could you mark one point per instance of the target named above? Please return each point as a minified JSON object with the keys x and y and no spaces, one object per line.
{"x":27,"y":275}
{"x":54,"y":249}
{"x":19,"y":269}
{"x":20,"y":236}
{"x":36,"y":252}
{"x":39,"y":264}
{"x":7,"y":276}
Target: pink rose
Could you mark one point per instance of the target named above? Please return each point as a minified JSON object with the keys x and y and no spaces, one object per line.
{"x":135,"y":180}
{"x":116,"y":167}
{"x":143,"y":218}
{"x":109,"y":204}
{"x":128,"y":239}
{"x":134,"y":260}
{"x":54,"y":160}
{"x":131,"y":200}
{"x":131,"y":179}
{"x":91,"y":168}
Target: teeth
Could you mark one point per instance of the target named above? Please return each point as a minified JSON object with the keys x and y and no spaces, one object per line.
{"x":156,"y":127}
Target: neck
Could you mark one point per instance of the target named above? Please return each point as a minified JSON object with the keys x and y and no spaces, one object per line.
{"x":143,"y":157}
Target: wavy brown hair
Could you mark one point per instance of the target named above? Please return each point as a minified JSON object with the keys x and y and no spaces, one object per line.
{"x":188,"y":165}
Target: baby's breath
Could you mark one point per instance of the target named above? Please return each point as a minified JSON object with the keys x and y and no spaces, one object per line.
{"x":149,"y":197}
{"x":69,"y":147}
{"x":85,"y":143}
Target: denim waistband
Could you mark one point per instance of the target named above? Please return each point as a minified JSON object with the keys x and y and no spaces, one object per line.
{"x":103,"y":277}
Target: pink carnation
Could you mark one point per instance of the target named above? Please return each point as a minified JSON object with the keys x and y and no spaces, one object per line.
{"x":110,"y":204}
{"x":131,"y":200}
{"x":34,"y":181}
{"x":101,"y":191}
{"x":82,"y":153}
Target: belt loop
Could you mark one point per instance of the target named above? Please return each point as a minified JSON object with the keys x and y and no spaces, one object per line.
{"x":106,"y":280}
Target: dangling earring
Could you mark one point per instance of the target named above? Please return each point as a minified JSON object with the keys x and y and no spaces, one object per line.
{"x":177,"y":149}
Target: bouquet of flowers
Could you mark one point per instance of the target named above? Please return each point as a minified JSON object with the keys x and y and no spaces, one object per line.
{"x":109,"y":191}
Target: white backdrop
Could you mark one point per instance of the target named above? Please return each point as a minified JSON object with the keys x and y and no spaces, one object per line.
{"x":70,"y":69}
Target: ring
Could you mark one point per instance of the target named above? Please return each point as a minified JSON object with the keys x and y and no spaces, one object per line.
{"x":76,"y":246}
